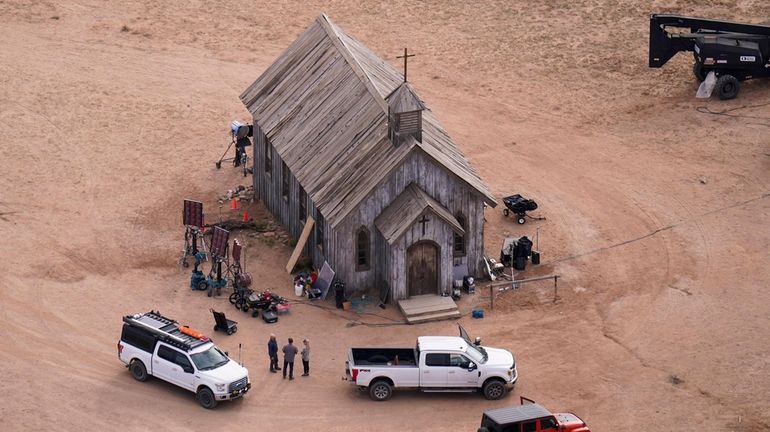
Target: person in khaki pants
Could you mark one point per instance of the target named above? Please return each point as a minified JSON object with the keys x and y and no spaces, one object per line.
{"x":289,"y":352}
{"x":306,"y":357}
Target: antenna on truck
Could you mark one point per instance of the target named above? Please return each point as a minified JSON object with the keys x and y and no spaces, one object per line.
{"x":239,"y":355}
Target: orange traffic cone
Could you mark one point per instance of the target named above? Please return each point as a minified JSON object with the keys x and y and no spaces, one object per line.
{"x":245,"y":215}
{"x":234,"y":204}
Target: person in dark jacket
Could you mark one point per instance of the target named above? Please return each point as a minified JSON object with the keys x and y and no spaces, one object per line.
{"x":272,"y":351}
{"x":289,"y":352}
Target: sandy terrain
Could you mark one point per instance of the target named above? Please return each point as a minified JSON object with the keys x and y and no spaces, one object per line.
{"x":657,"y":215}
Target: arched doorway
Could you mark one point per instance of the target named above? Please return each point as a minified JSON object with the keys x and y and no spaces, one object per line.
{"x":422,"y":263}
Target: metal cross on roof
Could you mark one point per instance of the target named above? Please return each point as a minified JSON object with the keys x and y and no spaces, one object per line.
{"x":405,"y":57}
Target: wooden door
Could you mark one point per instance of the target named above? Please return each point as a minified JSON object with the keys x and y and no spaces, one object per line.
{"x":422,"y":268}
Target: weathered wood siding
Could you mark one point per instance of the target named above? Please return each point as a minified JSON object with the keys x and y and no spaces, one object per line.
{"x":381,"y":263}
{"x":388,"y":264}
{"x":269,"y":189}
{"x":436,"y":230}
{"x":444,"y":187}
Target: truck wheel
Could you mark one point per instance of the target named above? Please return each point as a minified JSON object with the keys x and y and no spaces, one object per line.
{"x":494,"y":389}
{"x":699,"y":71}
{"x":206,"y":398}
{"x":138,"y":371}
{"x":728,"y":86}
{"x":506,"y":212}
{"x":521,"y":220}
{"x":380,"y":391}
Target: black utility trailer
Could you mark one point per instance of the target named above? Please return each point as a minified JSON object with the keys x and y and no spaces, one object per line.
{"x":519,"y":206}
{"x":735,"y":52}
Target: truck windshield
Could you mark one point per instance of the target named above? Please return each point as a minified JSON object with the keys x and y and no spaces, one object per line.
{"x":212,"y":358}
{"x":477,"y":354}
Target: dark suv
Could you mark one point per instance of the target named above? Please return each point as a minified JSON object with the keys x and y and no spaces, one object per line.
{"x":530,"y":417}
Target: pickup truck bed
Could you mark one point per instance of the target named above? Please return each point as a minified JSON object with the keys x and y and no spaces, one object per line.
{"x":383,"y":356}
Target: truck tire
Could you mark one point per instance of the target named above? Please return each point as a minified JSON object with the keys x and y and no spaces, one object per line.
{"x":380,"y":391}
{"x":138,"y":371}
{"x":494,"y":389}
{"x":727,"y":87}
{"x":699,"y":71}
{"x":206,"y":398}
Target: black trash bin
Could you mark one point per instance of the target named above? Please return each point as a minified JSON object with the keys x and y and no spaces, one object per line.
{"x":525,"y":246}
{"x":520,"y":263}
{"x":339,"y":293}
{"x":535,"y":257}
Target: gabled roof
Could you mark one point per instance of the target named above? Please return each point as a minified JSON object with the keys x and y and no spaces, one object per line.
{"x":407,"y":209}
{"x":322,"y":106}
{"x":404,"y":99}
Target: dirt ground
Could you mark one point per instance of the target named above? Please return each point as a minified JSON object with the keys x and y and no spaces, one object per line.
{"x":112,"y":112}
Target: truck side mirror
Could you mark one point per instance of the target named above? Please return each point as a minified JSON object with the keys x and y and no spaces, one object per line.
{"x":471,"y":366}
{"x":187,"y":369}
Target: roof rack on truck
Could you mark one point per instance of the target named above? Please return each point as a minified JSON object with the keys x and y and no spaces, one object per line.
{"x":165,"y":329}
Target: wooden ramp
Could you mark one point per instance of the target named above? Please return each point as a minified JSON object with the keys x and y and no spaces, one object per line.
{"x":424,"y":308}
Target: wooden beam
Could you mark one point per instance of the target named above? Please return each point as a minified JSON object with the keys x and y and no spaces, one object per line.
{"x":517,"y":281}
{"x":511,"y":283}
{"x":300,"y":244}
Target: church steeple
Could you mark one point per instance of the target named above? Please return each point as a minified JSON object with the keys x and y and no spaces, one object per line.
{"x":404,"y":114}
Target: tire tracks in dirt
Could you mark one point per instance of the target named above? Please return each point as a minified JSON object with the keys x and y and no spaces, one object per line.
{"x":657,"y":231}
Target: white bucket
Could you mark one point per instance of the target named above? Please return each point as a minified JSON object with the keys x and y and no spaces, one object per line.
{"x":299,"y":290}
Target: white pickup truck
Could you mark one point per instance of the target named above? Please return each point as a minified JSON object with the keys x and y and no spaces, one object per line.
{"x":153,"y":345}
{"x":437,"y":364}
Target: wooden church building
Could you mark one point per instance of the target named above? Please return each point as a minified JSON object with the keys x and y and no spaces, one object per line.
{"x":342,"y":138}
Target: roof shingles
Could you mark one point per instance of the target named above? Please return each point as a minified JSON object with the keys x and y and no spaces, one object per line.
{"x":322,"y":106}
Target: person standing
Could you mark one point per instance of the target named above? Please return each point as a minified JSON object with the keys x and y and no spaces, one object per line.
{"x":289,"y":352}
{"x":306,"y":357}
{"x":272,"y":351}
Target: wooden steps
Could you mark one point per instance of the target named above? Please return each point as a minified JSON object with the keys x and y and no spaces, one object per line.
{"x":424,"y":308}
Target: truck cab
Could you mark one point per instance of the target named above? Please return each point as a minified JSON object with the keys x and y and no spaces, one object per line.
{"x":530,"y":417}
{"x":153,"y":345}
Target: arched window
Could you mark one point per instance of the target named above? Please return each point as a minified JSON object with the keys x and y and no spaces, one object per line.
{"x":319,"y":231}
{"x":363,"y":248}
{"x":459,"y":248}
{"x":302,"y":204}
{"x":268,"y":158}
